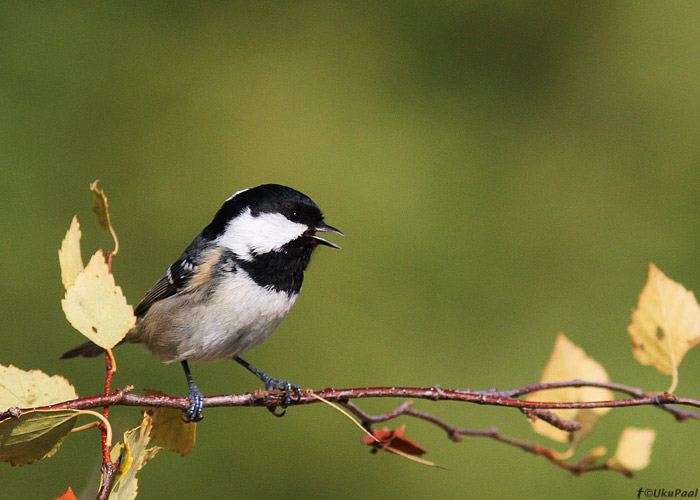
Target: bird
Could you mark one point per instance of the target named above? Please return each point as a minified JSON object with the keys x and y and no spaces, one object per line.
{"x":231,"y":287}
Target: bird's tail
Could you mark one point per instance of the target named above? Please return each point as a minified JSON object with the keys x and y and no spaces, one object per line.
{"x":86,"y":350}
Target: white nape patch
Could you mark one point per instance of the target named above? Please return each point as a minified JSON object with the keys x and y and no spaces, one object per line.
{"x":247,"y":234}
{"x":237,"y":193}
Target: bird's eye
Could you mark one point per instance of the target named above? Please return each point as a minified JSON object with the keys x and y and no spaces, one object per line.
{"x":294,"y":216}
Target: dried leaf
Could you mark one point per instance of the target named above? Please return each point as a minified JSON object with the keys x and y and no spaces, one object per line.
{"x":634,"y":448}
{"x":169,"y":429}
{"x":96,"y":307}
{"x":666,"y":323}
{"x":68,"y":495}
{"x":34,"y":435}
{"x":135,"y":456}
{"x":100,"y":206}
{"x":569,"y":362}
{"x":28,"y":389}
{"x":394,"y":439}
{"x":69,"y":255}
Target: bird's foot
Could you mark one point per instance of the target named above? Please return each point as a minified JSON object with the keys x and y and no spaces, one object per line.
{"x":194,"y":412}
{"x":287,"y":388}
{"x":273,"y":384}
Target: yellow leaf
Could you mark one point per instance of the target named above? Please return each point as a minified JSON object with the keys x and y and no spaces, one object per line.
{"x":634,"y":448}
{"x":665,"y":325}
{"x":569,"y":362}
{"x":28,"y":389}
{"x":35,"y":435}
{"x":588,"y":418}
{"x":69,"y":255}
{"x":122,"y":452}
{"x":169,"y":429}
{"x":137,"y":455}
{"x":96,"y":307}
{"x":593,"y":455}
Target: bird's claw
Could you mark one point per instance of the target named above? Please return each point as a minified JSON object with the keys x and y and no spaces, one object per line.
{"x":287,"y":388}
{"x":194,"y":412}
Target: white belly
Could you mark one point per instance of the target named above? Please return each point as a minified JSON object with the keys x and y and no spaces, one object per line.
{"x":238,"y":317}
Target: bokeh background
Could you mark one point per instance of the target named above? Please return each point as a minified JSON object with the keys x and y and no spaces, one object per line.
{"x":502,"y":171}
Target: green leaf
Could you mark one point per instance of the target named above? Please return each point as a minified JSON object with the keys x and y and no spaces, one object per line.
{"x":35,"y":435}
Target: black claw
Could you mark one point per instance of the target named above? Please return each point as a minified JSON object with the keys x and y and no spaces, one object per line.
{"x":272,"y":384}
{"x":273,"y":410}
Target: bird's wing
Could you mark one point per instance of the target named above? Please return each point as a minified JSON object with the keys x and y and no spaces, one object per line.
{"x":172,"y":281}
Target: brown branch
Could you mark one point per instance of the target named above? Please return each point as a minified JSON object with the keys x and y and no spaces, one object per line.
{"x":109,"y":468}
{"x":552,"y":419}
{"x":456,"y":434}
{"x":493,"y":397}
{"x":680,"y":414}
{"x":121,"y":397}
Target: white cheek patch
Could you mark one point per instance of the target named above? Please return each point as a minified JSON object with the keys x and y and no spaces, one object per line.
{"x":247,"y":235}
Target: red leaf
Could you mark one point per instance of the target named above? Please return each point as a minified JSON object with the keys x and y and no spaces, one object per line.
{"x":68,"y":495}
{"x":393,"y":439}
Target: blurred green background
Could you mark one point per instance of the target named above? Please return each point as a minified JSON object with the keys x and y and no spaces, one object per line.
{"x":502,"y":172}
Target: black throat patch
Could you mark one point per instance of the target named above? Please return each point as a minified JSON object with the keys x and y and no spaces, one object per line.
{"x":282,"y":271}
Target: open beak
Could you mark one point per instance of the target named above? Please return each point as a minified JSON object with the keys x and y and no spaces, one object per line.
{"x":323,"y":227}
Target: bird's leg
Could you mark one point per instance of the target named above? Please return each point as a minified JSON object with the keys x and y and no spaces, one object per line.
{"x":273,"y":384}
{"x":194,"y":412}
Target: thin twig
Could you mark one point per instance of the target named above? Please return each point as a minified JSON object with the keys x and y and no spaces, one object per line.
{"x":274,"y":399}
{"x":680,"y":414}
{"x":109,"y":468}
{"x":456,"y":434}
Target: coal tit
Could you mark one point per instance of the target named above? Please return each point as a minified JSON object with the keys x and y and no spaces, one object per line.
{"x":231,"y":287}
